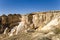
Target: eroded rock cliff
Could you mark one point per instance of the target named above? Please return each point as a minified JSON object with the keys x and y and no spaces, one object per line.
{"x":44,"y":22}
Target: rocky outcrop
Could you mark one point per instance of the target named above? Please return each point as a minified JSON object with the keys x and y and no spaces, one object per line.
{"x":9,"y":21}
{"x":44,"y":22}
{"x":35,"y":19}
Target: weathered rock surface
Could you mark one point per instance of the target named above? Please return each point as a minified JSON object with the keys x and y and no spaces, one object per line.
{"x":36,"y":26}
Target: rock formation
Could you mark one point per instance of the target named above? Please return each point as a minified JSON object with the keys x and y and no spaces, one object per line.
{"x":44,"y":22}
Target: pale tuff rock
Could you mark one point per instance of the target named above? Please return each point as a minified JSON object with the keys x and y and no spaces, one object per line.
{"x":50,"y":25}
{"x":17,"y":29}
{"x":35,"y":20}
{"x":41,"y":25}
{"x":5,"y":31}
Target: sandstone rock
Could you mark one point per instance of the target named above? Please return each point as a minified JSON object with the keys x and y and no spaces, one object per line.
{"x":36,"y":21}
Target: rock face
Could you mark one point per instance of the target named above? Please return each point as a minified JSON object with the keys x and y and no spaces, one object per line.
{"x":39,"y":21}
{"x":35,"y":19}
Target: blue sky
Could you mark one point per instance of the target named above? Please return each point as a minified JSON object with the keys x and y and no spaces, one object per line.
{"x":27,"y":6}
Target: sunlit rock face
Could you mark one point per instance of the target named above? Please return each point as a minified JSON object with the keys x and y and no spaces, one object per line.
{"x":17,"y":29}
{"x":51,"y":25}
{"x":43,"y":22}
